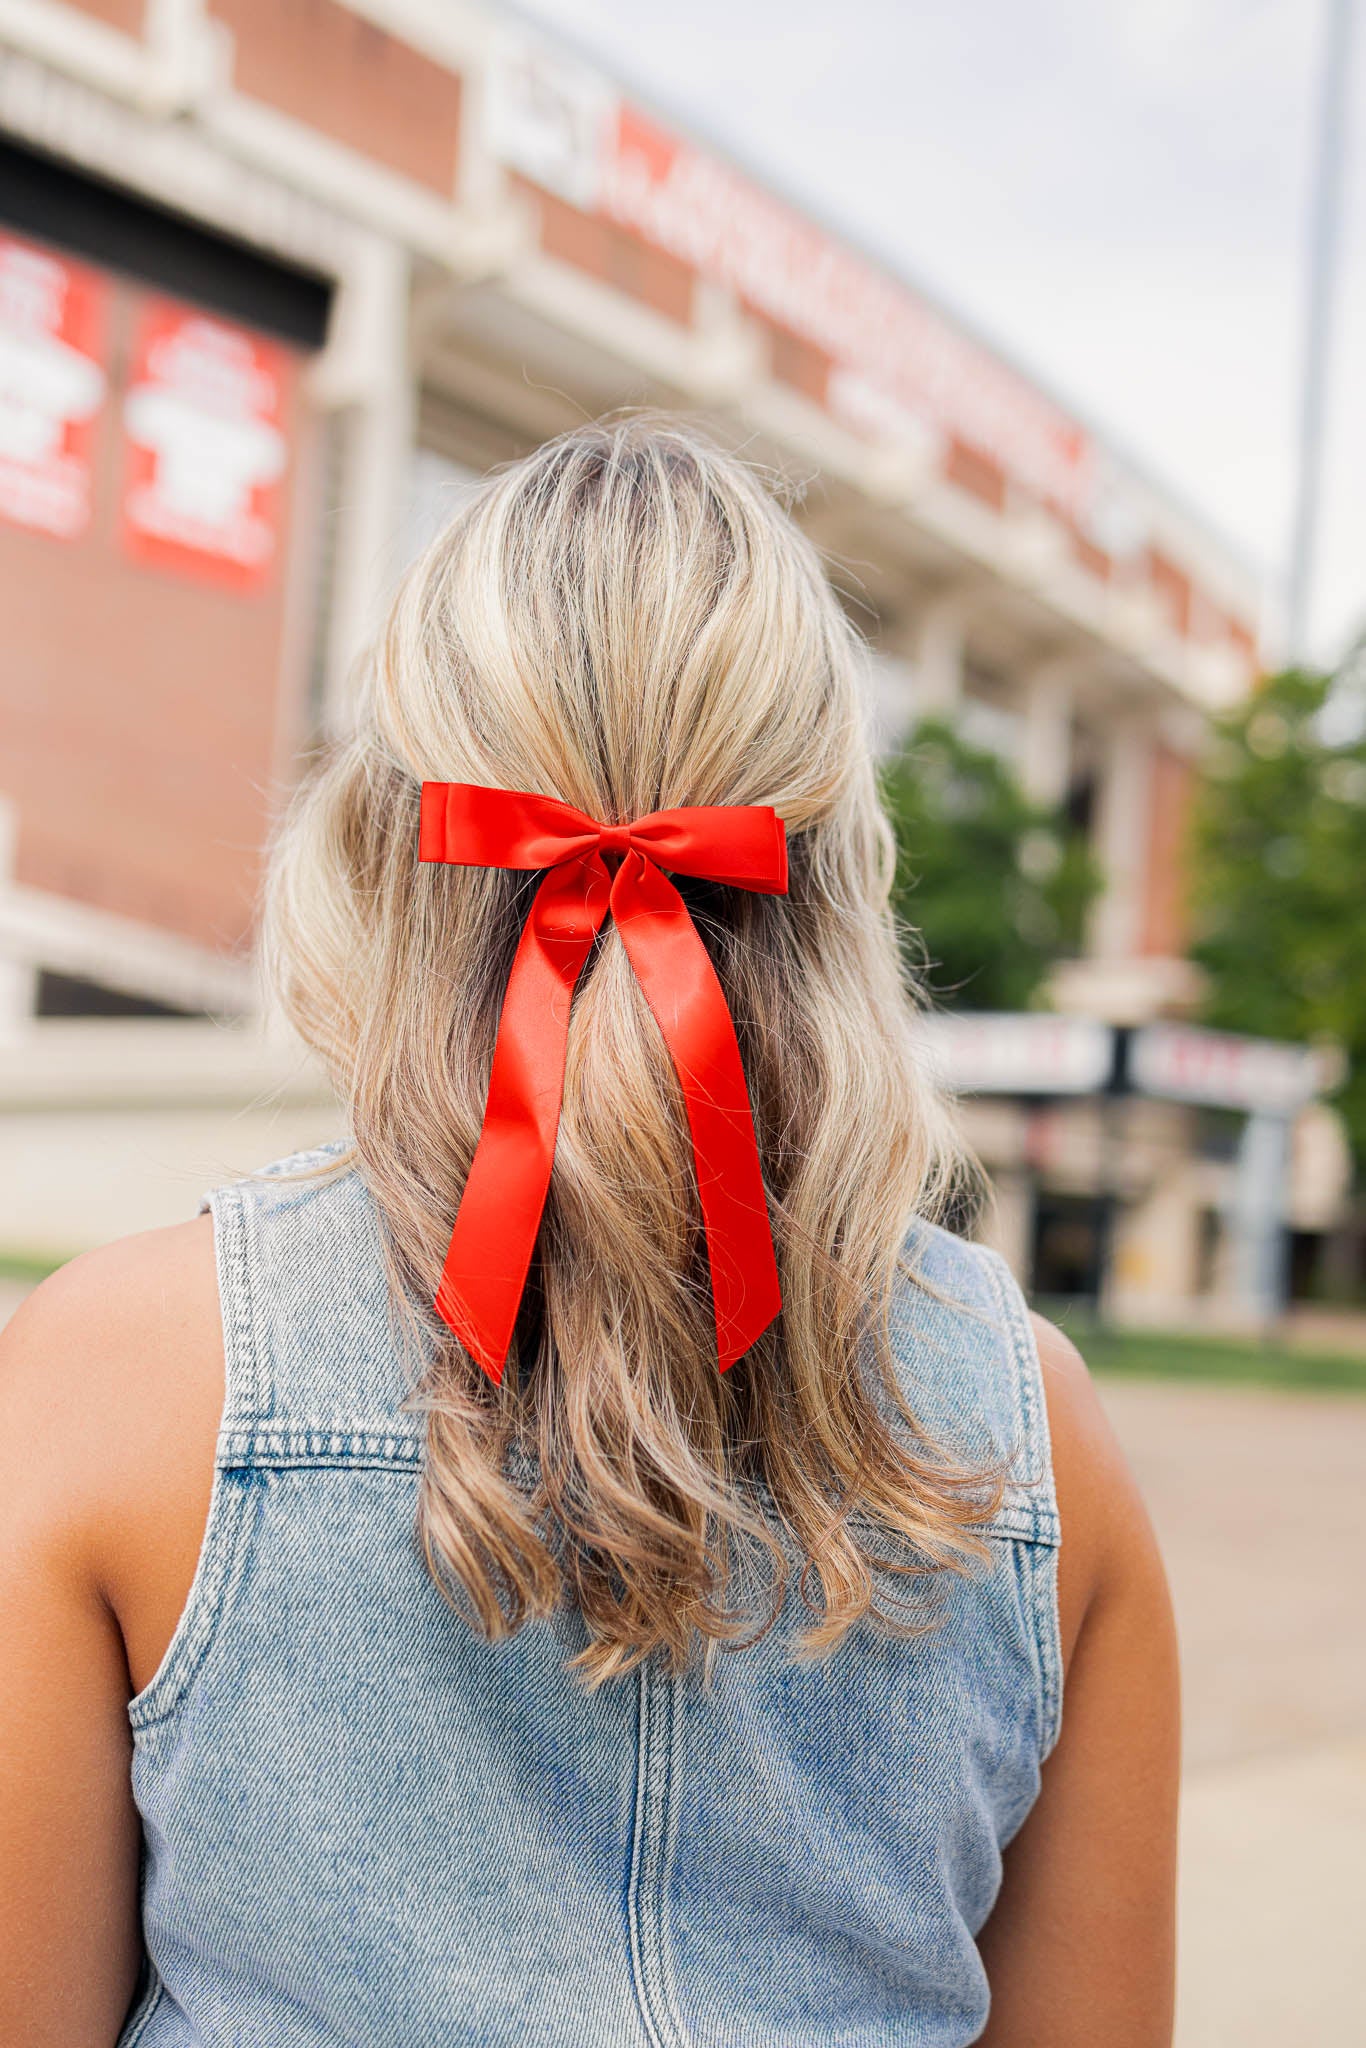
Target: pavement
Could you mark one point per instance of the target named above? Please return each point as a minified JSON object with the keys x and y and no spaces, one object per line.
{"x":1259,"y":1499}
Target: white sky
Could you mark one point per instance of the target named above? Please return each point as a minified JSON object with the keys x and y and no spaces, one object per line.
{"x":1116,"y":191}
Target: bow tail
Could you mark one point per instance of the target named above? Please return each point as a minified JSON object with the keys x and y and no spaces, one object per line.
{"x":505,"y":1192}
{"x":680,"y":984}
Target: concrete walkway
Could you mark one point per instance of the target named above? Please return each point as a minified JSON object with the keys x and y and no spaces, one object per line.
{"x":1260,"y":1503}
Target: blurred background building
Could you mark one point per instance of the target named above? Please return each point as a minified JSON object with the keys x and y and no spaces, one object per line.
{"x":278,"y":280}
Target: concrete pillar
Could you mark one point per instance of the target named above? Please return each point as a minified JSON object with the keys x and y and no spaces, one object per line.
{"x":365,"y":375}
{"x":18,"y":973}
{"x":1153,"y":1264}
{"x":1008,"y":1224}
{"x":1047,"y":698}
{"x":1123,"y":823}
{"x":936,"y":652}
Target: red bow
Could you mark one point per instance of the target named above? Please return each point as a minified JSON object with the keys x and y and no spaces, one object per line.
{"x":500,"y":1210}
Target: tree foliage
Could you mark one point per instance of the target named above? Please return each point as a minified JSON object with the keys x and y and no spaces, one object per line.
{"x":1279,"y":873}
{"x":997,"y":887}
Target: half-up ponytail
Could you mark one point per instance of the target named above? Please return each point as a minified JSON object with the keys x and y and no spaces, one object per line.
{"x":628,"y":621}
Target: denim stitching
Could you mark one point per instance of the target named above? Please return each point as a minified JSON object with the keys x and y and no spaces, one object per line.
{"x":1028,"y":1391}
{"x":277,"y":1446}
{"x":668,"y":1840}
{"x":221,"y":1547}
{"x":1044,"y":1571}
{"x":243,"y":1361}
{"x":1022,"y":1525}
{"x":635,"y":1855}
{"x":644,"y":1892}
{"x":1041,"y":1565}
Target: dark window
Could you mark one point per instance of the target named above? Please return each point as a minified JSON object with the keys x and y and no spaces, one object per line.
{"x":67,"y":995}
{"x":54,"y":203}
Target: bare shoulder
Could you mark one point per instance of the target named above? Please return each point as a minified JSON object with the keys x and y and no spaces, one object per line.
{"x":1080,"y":1945}
{"x":1107,"y":1536}
{"x":111,"y":1392}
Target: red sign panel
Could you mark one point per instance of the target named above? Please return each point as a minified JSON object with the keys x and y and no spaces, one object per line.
{"x":203,"y":423}
{"x":901,"y":365}
{"x":52,"y":385}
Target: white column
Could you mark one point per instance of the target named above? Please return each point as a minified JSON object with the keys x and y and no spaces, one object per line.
{"x":18,"y":972}
{"x":937,"y":650}
{"x":1123,"y":824}
{"x":365,"y":375}
{"x":1047,"y":698}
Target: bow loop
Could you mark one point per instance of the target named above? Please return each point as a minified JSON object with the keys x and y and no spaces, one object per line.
{"x":504,"y":1197}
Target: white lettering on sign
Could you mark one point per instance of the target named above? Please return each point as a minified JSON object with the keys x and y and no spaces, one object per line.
{"x":713,"y":217}
{"x":562,"y":125}
{"x":52,"y":385}
{"x":1224,"y":1070}
{"x":206,"y":448}
{"x":1018,"y":1053}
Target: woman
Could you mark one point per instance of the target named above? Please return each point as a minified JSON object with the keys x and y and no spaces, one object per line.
{"x":640,"y":1613}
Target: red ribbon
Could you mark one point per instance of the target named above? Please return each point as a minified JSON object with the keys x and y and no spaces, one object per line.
{"x":504,"y":1196}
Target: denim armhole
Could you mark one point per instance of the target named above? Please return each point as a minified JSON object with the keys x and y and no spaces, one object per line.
{"x":232,"y":1494}
{"x":1040,"y":1541}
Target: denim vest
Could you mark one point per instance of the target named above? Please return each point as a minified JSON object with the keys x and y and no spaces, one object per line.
{"x":365,"y":1825}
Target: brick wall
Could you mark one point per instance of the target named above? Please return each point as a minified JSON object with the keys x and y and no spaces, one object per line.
{"x":334,"y":71}
{"x":612,"y":254}
{"x":142,"y":720}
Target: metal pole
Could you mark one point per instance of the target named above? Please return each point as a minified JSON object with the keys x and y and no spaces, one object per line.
{"x":1323,"y":243}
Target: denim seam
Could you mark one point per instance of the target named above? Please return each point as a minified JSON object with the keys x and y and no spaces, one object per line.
{"x":242,"y":1395}
{"x":643,"y":1898}
{"x":1043,"y":1567}
{"x":1028,"y":1399}
{"x":668,"y":1844}
{"x":1042,"y":1563}
{"x":1021,"y":1525}
{"x":635,"y":1853}
{"x":277,"y":1446}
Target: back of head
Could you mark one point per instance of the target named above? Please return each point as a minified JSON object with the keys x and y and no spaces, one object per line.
{"x":628,"y":621}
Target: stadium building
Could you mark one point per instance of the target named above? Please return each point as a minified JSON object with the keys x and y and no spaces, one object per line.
{"x":278,"y":279}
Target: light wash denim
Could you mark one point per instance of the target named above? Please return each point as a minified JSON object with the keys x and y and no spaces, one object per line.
{"x":366,"y":1826}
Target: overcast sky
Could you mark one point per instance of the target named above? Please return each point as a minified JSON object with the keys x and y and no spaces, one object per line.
{"x":1116,"y":191}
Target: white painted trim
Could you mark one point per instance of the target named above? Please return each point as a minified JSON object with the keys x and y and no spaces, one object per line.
{"x":158,"y":1062}
{"x":111,"y":139}
{"x":42,"y":929}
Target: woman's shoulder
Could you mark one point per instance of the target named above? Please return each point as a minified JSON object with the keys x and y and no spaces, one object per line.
{"x":1106,"y":1536}
{"x":111,"y":1394}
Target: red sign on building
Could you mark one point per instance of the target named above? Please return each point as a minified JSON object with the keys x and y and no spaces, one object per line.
{"x":203,"y":423}
{"x":52,"y":385}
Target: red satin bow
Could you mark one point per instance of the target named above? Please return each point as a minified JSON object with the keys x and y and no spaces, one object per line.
{"x":500,"y":1210}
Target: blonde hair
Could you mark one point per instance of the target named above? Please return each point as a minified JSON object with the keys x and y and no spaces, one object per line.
{"x":627,"y":620}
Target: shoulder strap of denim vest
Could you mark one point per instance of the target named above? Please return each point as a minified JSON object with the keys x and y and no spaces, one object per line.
{"x":309,"y":1330}
{"x":313,"y":1345}
{"x":970,"y":1370}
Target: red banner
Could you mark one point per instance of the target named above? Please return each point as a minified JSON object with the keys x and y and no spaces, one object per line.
{"x":204,"y":428}
{"x":53,"y":316}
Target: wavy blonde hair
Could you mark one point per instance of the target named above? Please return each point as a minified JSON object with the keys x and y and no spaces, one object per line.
{"x":628,"y":620}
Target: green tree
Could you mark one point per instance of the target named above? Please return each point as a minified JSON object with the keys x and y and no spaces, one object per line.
{"x":997,"y":887}
{"x":1279,"y":873}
